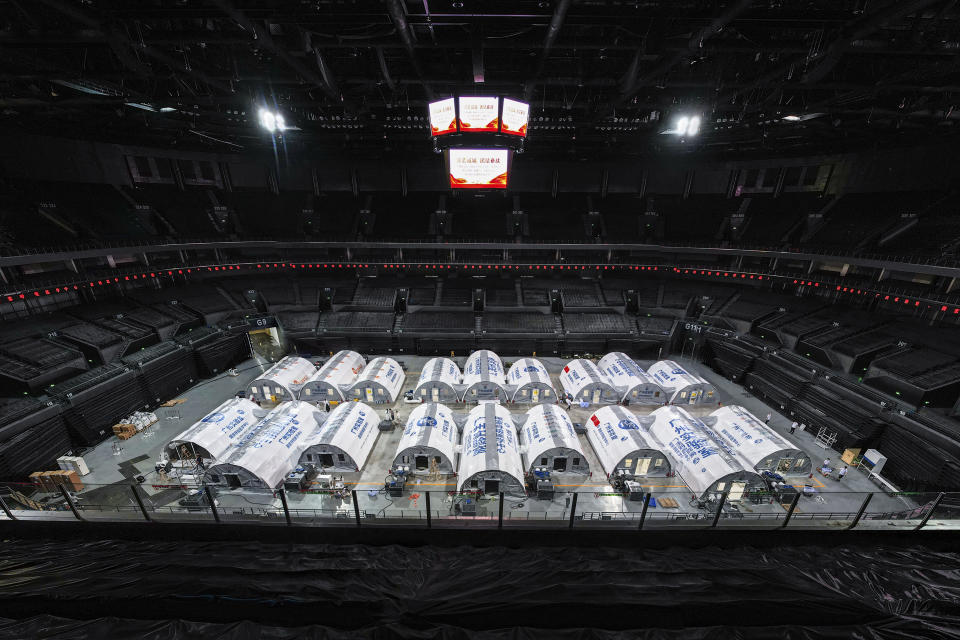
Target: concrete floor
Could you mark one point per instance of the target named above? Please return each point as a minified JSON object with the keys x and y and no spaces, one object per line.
{"x":111,"y":470}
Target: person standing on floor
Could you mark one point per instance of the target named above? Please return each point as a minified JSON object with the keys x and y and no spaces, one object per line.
{"x":842,"y":472}
{"x":826,"y":464}
{"x":767,"y":421}
{"x":793,"y":427}
{"x":326,"y":406}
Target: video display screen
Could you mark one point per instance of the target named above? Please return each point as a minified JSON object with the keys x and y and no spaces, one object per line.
{"x":478,"y":115}
{"x":479,"y":168}
{"x":443,"y":117}
{"x":515,"y":117}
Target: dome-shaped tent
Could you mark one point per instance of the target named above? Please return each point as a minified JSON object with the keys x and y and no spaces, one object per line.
{"x":282,"y":381}
{"x":270,"y":450}
{"x":344,"y":441}
{"x":680,"y":385}
{"x":213,"y":437}
{"x":757,"y":445}
{"x":633,"y":384}
{"x":438,"y":381}
{"x":531,"y":382}
{"x":335,"y":377}
{"x":484,"y":377}
{"x":429,"y":440}
{"x":549,"y":440}
{"x":490,"y":459}
{"x":380,"y":382}
{"x":697,"y":457}
{"x":584,"y":381}
{"x":623,"y":442}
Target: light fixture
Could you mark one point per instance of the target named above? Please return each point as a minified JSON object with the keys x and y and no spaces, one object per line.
{"x":271,"y":121}
{"x":685,"y":127}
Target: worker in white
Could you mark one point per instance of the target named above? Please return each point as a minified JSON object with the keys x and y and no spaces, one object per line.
{"x":769,"y":415}
{"x":793,"y":427}
{"x":842,"y":472}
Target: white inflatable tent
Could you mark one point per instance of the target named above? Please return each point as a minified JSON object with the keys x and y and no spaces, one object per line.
{"x":344,"y":441}
{"x":380,"y":382}
{"x":335,"y":376}
{"x":584,"y":381}
{"x":696,"y":456}
{"x":270,"y":451}
{"x":484,"y":377}
{"x":490,"y":459}
{"x":282,"y":381}
{"x":548,"y":440}
{"x":622,"y":441}
{"x":633,"y":384}
{"x":531,"y":381}
{"x":214,"y":436}
{"x":757,"y":445}
{"x":438,"y":381}
{"x":429,"y":441}
{"x":681,"y":386}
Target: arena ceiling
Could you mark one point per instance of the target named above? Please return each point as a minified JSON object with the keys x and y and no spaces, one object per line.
{"x":775,"y":75}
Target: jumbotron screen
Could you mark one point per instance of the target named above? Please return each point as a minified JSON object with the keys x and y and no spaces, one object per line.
{"x":514,"y":118}
{"x":479,"y":168}
{"x":479,"y":114}
{"x":443,"y":117}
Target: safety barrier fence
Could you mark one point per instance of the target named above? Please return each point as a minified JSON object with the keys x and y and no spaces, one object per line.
{"x":656,"y":508}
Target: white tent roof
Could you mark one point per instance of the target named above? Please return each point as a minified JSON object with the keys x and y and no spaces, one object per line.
{"x":275,"y":444}
{"x":614,"y":433}
{"x":351,"y":427}
{"x":431,"y":425}
{"x":440,"y":370}
{"x":691,"y":449}
{"x":526,"y":370}
{"x":489,"y":444}
{"x":222,"y":429}
{"x":290,"y":373}
{"x":580,"y":373}
{"x":747,"y":438}
{"x":483,"y":365}
{"x":623,"y":372}
{"x":548,"y":427}
{"x":385,"y":371}
{"x":341,"y":369}
{"x":670,"y":375}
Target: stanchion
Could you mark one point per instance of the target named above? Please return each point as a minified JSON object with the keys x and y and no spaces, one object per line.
{"x":73,"y":507}
{"x":143,"y":509}
{"x":356,"y":506}
{"x":213,"y":504}
{"x":286,"y":509}
{"x":643,"y":512}
{"x":573,"y":509}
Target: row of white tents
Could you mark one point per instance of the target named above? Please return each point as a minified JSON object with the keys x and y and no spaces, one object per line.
{"x":242,"y":445}
{"x":616,"y":378}
{"x":345,"y":376}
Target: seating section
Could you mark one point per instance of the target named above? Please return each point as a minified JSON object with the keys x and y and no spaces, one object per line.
{"x":356,"y":321}
{"x":422,"y":296}
{"x":370,"y":296}
{"x":535,"y":296}
{"x":427,"y":321}
{"x":580,"y":296}
{"x":653,"y":325}
{"x":597,"y":323}
{"x":518,"y":322}
{"x":501,"y":297}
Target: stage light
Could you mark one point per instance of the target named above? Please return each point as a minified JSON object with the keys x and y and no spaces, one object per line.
{"x":272,"y":121}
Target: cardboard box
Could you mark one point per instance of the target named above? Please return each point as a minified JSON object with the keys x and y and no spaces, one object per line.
{"x":47,"y":482}
{"x":70,"y":480}
{"x":849,"y":455}
{"x":35,"y":478}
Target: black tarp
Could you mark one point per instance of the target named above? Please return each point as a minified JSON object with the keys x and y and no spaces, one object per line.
{"x":152,"y":589}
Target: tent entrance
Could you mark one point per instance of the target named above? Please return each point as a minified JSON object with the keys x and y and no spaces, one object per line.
{"x":435,"y":394}
{"x":559,"y":464}
{"x":693,"y":396}
{"x":596,"y":396}
{"x":369,"y":394}
{"x":643,"y":466}
{"x":421,"y":463}
{"x":784,"y":465}
{"x":536,"y":395}
{"x":326,"y":459}
{"x":736,"y":490}
{"x":232,"y":480}
{"x":491,"y":486}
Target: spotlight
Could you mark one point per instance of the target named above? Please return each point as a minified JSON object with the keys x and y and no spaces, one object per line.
{"x":271,"y":121}
{"x":685,"y":127}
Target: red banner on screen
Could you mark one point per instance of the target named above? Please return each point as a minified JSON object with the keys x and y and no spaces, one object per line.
{"x":443,"y":117}
{"x":478,"y":115}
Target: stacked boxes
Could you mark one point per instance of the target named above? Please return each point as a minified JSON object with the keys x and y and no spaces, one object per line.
{"x":73,"y":463}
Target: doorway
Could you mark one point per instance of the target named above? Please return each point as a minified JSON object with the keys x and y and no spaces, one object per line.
{"x":559,"y":464}
{"x":232,"y":480}
{"x":435,"y":394}
{"x":643,"y":466}
{"x":693,"y":396}
{"x":326,"y":459}
{"x":596,"y":396}
{"x":536,"y":396}
{"x":491,"y":486}
{"x":369,"y":394}
{"x":736,"y":490}
{"x":421,"y":462}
